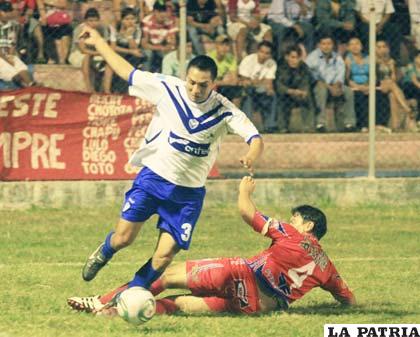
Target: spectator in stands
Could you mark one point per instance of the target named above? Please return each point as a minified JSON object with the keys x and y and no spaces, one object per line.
{"x":170,"y":63}
{"x":257,"y":72}
{"x":402,"y":114}
{"x":125,"y":40}
{"x":337,"y":18}
{"x":31,"y":30}
{"x":83,"y":56}
{"x":159,"y":29}
{"x":227,"y":80}
{"x":244,"y":24}
{"x":291,"y":18}
{"x":56,"y":27}
{"x":384,"y":27}
{"x":293,"y":85}
{"x":411,"y":81}
{"x":204,"y":21}
{"x":328,"y":69}
{"x":118,"y":6}
{"x":11,"y":66}
{"x":357,"y":75}
{"x":414,"y":8}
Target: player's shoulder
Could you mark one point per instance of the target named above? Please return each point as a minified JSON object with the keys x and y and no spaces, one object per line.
{"x":225,"y":104}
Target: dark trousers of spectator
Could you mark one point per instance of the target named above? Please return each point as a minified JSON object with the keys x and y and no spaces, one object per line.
{"x":265,"y":104}
{"x":390,"y":33}
{"x":153,"y":61}
{"x":361,"y":106}
{"x":344,"y":106}
{"x":282,"y":33}
{"x":412,"y":92}
{"x":285,"y":105}
{"x":383,"y":108}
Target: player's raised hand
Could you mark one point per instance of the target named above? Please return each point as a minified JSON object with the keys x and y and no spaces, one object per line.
{"x":247,"y":163}
{"x":247,"y":185}
{"x":89,"y":36}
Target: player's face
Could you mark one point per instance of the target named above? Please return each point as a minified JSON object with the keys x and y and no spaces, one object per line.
{"x":299,"y":223}
{"x":199,"y":84}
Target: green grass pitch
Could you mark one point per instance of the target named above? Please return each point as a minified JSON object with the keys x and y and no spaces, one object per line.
{"x":376,"y":249}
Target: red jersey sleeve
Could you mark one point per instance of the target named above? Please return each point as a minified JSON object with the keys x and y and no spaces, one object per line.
{"x":268,"y":226}
{"x":338,"y":288}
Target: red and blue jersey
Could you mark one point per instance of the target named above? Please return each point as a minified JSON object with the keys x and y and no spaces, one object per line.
{"x":294,"y":263}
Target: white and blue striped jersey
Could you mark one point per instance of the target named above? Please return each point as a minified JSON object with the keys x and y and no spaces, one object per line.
{"x":183,"y":138}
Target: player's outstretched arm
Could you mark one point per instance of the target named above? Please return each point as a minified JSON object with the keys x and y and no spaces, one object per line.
{"x":246,"y":206}
{"x":256,"y":148}
{"x":120,"y":66}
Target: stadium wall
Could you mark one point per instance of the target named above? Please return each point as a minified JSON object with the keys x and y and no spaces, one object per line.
{"x":285,"y":192}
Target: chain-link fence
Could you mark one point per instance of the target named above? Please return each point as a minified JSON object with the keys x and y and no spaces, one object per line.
{"x":293,"y":66}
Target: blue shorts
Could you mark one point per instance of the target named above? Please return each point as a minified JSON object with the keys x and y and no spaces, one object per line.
{"x":178,"y":207}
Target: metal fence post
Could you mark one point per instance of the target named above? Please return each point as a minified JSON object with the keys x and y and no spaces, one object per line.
{"x":372,"y":88}
{"x":182,"y":38}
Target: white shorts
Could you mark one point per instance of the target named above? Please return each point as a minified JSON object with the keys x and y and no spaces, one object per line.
{"x":8,"y":71}
{"x":234,"y":28}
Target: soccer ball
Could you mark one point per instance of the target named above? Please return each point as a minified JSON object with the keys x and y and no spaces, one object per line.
{"x":136,"y":305}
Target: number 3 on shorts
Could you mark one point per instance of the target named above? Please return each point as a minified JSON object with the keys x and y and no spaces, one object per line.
{"x":187,"y":231}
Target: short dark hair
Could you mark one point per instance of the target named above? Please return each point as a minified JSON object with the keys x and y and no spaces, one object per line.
{"x":204,"y":63}
{"x":6,"y":6}
{"x":267,"y":44}
{"x":310,"y":213}
{"x":159,"y":6}
{"x":128,"y":11}
{"x":92,"y":13}
{"x":293,"y":49}
{"x":326,"y":35}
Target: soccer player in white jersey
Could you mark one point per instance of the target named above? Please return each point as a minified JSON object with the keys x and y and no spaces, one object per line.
{"x":179,"y":149}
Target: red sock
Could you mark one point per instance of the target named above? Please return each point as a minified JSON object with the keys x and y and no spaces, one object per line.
{"x":157,"y":287}
{"x":110,"y":295}
{"x":166,"y":306}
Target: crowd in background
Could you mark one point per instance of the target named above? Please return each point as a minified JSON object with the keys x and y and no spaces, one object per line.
{"x":295,"y":63}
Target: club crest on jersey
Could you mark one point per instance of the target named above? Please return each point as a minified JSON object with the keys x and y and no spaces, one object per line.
{"x":193,"y":123}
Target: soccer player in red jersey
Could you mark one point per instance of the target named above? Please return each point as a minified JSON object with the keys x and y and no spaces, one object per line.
{"x":290,"y":267}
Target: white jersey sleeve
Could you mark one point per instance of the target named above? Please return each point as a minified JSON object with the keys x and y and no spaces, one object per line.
{"x":146,"y":85}
{"x":240,"y":124}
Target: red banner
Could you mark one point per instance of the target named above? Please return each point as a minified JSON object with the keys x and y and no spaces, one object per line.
{"x":50,"y":134}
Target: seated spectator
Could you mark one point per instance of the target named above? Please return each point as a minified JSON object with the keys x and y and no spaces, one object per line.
{"x":414,"y":8}
{"x":385,"y":29}
{"x":125,"y":40}
{"x":170,"y":63}
{"x":328,"y":69}
{"x":411,"y":81}
{"x":244,"y":24}
{"x":83,"y":56}
{"x":31,"y":30}
{"x":291,"y":18}
{"x":257,"y":72}
{"x":337,"y":18}
{"x":204,"y":20}
{"x":56,"y":27}
{"x":402,"y":114}
{"x":11,"y":66}
{"x":227,"y":80}
{"x":294,"y":83}
{"x":357,"y":75}
{"x":159,"y":29}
